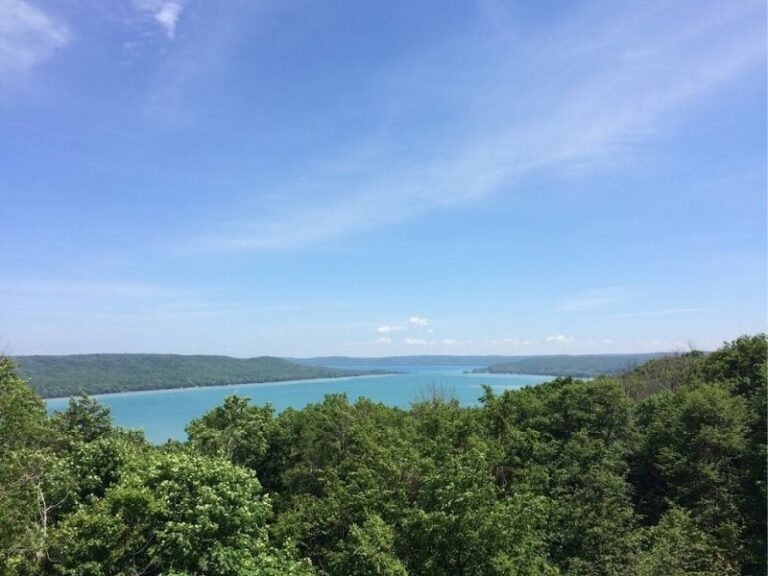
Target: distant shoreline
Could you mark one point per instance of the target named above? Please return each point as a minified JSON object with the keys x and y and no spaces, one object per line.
{"x":210,"y":386}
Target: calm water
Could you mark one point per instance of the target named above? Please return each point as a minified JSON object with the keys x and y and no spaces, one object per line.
{"x":162,"y":414}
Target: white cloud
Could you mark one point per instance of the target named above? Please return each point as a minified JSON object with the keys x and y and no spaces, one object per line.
{"x":414,"y":341}
{"x":417,"y":321}
{"x":562,"y":339}
{"x":385,"y":340}
{"x":168,"y":15}
{"x":27,"y":36}
{"x":448,"y":341}
{"x":164,"y":12}
{"x":599,"y":83}
{"x":386,"y":329}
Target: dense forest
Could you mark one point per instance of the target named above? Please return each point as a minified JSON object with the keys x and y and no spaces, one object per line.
{"x":52,"y":376}
{"x":660,"y":471}
{"x":582,"y":366}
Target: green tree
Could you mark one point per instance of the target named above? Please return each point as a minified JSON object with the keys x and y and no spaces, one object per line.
{"x":334,"y":465}
{"x":173,"y":513}
{"x":84,"y":420}
{"x":32,"y":480}
{"x":237,"y":431}
{"x":22,"y":412}
{"x":691,"y":444}
{"x":459,"y":521}
{"x":676,"y":546}
{"x":369,"y":550}
{"x":742,"y":367}
{"x":568,"y":441}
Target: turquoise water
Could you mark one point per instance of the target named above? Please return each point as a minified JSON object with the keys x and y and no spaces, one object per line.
{"x":162,"y":414}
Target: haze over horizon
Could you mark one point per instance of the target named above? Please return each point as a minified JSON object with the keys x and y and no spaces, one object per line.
{"x":367,"y":179}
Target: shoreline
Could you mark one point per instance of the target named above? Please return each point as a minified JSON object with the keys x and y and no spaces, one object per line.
{"x":281,"y":383}
{"x":208,"y":387}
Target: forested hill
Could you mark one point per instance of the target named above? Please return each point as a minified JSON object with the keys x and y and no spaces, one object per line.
{"x":52,"y":376}
{"x":584,"y":366}
{"x":394,"y":361}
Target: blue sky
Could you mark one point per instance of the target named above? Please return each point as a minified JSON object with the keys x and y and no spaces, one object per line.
{"x":381,"y":178}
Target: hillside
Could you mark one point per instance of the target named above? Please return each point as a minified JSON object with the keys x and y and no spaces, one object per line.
{"x":394,"y":361}
{"x":52,"y":376}
{"x":585,"y":366}
{"x":582,"y":366}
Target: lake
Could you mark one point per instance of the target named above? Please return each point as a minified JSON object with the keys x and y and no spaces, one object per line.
{"x":163,"y":414}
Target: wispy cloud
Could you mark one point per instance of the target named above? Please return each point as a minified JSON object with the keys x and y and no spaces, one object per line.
{"x":577,"y":97}
{"x":28,"y":36}
{"x":166,"y":13}
{"x":386,"y":329}
{"x":560,"y":338}
{"x":414,"y":341}
{"x":414,"y":323}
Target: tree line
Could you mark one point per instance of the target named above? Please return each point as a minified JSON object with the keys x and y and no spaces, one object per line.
{"x":62,"y":376}
{"x":658,"y":471}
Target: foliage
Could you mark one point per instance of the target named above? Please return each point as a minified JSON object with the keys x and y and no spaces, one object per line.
{"x":582,"y":366}
{"x":658,"y":471}
{"x":676,"y":546}
{"x":58,"y":376}
{"x":236,"y":431}
{"x":173,"y":514}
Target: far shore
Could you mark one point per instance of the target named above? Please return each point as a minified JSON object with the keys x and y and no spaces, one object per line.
{"x":209,"y":386}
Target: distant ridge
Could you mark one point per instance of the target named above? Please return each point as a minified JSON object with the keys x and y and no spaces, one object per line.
{"x":53,"y":376}
{"x":580,"y":366}
{"x":426,"y":360}
{"x":583,"y":366}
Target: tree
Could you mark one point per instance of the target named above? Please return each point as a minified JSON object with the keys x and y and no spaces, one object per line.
{"x":742,"y":367}
{"x":676,"y":546}
{"x":32,"y":480}
{"x":369,"y":550}
{"x":84,"y":420}
{"x":236,"y":431}
{"x":173,"y":513}
{"x":691,"y":444}
{"x":22,"y":412}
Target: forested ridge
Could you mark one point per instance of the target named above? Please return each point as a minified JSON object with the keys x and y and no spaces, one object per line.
{"x":70,"y":375}
{"x":53,"y":376}
{"x":660,"y":471}
{"x":581,"y":366}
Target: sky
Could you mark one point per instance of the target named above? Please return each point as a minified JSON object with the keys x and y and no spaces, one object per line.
{"x":361,"y":178}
